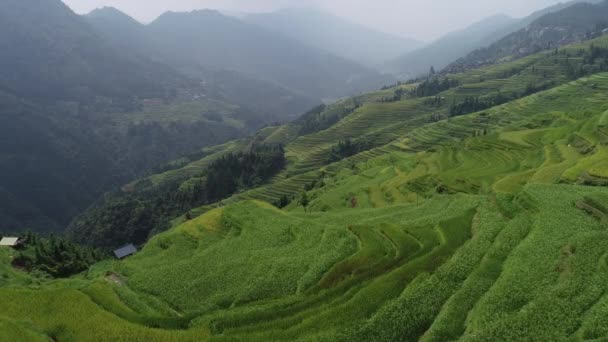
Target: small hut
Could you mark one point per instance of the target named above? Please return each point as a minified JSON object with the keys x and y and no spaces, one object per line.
{"x":13,"y":242}
{"x":125,"y":251}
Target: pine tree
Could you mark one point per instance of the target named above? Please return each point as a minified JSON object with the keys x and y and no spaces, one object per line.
{"x":304,"y":200}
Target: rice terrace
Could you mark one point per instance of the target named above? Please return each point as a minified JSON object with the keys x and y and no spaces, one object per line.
{"x":464,"y":203}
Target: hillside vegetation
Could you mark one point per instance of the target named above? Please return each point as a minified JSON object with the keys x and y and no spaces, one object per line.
{"x":368,"y":123}
{"x":476,"y":211}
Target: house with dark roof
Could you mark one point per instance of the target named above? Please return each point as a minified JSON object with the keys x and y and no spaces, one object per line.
{"x":125,"y":251}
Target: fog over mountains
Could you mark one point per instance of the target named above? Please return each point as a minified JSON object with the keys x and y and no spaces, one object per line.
{"x":336,"y":35}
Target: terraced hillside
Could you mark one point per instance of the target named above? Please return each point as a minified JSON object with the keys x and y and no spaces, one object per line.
{"x":481,"y":226}
{"x":379,"y":118}
{"x":408,"y":125}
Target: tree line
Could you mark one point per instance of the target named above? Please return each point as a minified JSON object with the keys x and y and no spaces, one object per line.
{"x":323,"y":117}
{"x":133,"y":217}
{"x":55,"y":256}
{"x":347,"y":148}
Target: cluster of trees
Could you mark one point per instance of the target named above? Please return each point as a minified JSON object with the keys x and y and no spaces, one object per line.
{"x":347,"y":148}
{"x":594,"y":60}
{"x":238,"y":171}
{"x":313,"y":120}
{"x":283,"y":201}
{"x":399,"y":83}
{"x":132,"y":217}
{"x":397,"y":96}
{"x":471,"y":104}
{"x":56,"y":257}
{"x":593,"y":53}
{"x":436,"y":101}
{"x":230,"y":174}
{"x":321,"y":117}
{"x":433,"y":86}
{"x":535,"y":88}
{"x":304,"y":200}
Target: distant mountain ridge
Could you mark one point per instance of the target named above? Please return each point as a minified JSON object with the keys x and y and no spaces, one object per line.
{"x":448,"y":48}
{"x":523,"y":22}
{"x":458,"y":44}
{"x":202,"y":42}
{"x":336,"y":35}
{"x":209,"y":39}
{"x":50,"y":53}
{"x":127,"y":33}
{"x":568,"y":24}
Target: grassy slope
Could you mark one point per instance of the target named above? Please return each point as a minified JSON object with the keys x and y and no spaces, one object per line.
{"x":477,"y":228}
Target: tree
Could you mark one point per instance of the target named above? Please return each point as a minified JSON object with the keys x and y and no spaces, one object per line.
{"x":432,"y":71}
{"x":304,"y":200}
{"x":56,"y":256}
{"x":283,"y":202}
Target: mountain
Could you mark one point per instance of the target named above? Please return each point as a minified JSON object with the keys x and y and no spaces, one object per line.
{"x":53,"y":68}
{"x":51,"y":53}
{"x":121,"y":30}
{"x":456,"y":45}
{"x":81,"y":115}
{"x":45,"y":166}
{"x":209,"y":46}
{"x":336,"y":35}
{"x":468,"y":206}
{"x":447,"y":48}
{"x":575,"y":23}
{"x":209,"y":40}
{"x":229,"y":86}
{"x":524,"y":22}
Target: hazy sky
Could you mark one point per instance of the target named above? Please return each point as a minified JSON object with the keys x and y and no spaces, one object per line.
{"x":422,"y":19}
